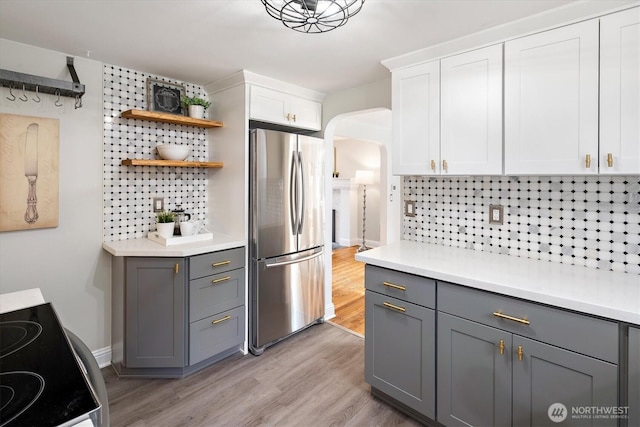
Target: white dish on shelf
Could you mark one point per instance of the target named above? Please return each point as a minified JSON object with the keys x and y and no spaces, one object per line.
{"x":173,"y":151}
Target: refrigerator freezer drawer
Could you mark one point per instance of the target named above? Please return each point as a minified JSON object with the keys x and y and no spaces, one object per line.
{"x":289,"y":296}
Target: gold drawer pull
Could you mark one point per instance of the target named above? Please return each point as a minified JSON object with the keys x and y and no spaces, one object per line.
{"x":294,"y":118}
{"x":445,"y":166}
{"x":176,"y":268}
{"x":224,"y":319}
{"x":501,"y":346}
{"x":222,"y":279}
{"x":391,"y":285}
{"x":433,"y":165}
{"x":520,"y":352}
{"x":610,"y":160}
{"x":221,"y":263}
{"x":587,"y":161}
{"x":515,"y":319}
{"x":395,"y":307}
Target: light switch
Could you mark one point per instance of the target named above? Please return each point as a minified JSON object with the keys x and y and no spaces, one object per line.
{"x":409,"y":208}
{"x":158,"y":204}
{"x":496,"y":214}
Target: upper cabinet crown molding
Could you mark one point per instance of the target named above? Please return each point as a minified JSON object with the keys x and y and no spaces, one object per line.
{"x":569,"y":14}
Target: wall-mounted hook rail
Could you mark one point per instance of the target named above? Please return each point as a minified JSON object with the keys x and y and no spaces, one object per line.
{"x":74,"y":89}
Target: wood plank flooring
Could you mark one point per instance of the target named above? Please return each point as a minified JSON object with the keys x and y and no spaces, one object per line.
{"x":314,"y":378}
{"x":348,"y":289}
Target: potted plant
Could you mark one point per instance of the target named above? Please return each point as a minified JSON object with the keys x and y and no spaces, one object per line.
{"x":165,"y":223}
{"x":196,"y":106}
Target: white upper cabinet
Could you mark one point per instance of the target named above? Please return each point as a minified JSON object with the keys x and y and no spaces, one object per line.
{"x":471,"y":113}
{"x":282,"y":108}
{"x":416,"y":118}
{"x":620,"y":93}
{"x":551,"y":102}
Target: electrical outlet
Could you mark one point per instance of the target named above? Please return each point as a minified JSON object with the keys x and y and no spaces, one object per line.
{"x":409,"y":208}
{"x":158,"y":204}
{"x":496,"y":214}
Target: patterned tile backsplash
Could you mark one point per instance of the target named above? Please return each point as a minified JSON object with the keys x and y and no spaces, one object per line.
{"x":581,"y":220}
{"x":128,"y":191}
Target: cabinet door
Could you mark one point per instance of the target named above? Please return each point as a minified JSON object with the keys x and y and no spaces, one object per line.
{"x":620,"y":92}
{"x":474,"y":373}
{"x":471,"y":112}
{"x":399,"y":351}
{"x":551,"y":102}
{"x":269,"y":105}
{"x":633,"y":381}
{"x":305,"y":113}
{"x":416,"y":119}
{"x":155,"y":313}
{"x":549,"y":375}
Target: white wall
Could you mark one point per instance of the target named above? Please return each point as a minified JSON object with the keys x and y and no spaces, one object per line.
{"x":67,"y":263}
{"x":354,"y":154}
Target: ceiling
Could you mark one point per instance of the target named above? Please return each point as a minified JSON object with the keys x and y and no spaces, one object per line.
{"x":203,"y":41}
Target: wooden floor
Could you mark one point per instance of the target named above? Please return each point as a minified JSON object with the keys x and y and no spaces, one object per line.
{"x":348,"y":289}
{"x":314,"y":378}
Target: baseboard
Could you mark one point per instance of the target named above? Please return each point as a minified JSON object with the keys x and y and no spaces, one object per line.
{"x":329,"y":311}
{"x":103,"y":356}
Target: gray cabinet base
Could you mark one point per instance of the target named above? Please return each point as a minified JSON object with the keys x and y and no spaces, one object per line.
{"x":123,"y":372}
{"x":403,"y":408}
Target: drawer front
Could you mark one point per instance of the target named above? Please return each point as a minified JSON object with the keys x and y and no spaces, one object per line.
{"x":214,"y":294}
{"x":583,"y":334}
{"x":215,"y":334}
{"x":407,"y":287}
{"x":215,"y":262}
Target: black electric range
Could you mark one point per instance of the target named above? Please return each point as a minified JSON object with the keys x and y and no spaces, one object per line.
{"x":41,"y":381}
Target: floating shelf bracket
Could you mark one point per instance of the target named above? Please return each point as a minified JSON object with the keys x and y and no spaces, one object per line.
{"x":19,"y":81}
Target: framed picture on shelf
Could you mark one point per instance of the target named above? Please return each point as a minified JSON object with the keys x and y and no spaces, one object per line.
{"x":165,"y":97}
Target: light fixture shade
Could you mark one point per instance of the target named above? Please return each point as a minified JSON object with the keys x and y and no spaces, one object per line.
{"x":364,"y":177}
{"x":313,"y":16}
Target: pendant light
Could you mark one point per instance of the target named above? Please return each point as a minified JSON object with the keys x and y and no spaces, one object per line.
{"x":313,"y":16}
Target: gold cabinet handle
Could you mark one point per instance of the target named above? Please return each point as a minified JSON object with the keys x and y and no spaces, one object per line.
{"x":222,"y":279}
{"x":433,"y":165}
{"x":444,"y":165}
{"x":501,"y":346}
{"x":394,"y":307}
{"x":288,"y":116}
{"x":515,"y":319}
{"x":520,"y":352}
{"x":294,"y":118}
{"x":391,"y":285}
{"x":610,"y":160}
{"x":221,"y":263}
{"x":176,"y":268}
{"x":224,"y":319}
{"x":587,"y":161}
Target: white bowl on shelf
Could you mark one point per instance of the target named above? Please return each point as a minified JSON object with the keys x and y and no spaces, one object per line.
{"x":173,"y":151}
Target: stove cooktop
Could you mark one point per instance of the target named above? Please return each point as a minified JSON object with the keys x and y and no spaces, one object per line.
{"x":41,"y":382}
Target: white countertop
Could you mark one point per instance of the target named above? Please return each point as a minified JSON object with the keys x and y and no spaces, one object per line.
{"x":146,"y":247}
{"x":598,"y":292}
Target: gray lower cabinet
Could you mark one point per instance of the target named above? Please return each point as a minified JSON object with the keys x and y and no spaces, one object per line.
{"x":474,"y":373}
{"x":400,"y":338}
{"x":633,"y":380}
{"x":155,"y":313}
{"x":497,"y":376}
{"x":173,"y":316}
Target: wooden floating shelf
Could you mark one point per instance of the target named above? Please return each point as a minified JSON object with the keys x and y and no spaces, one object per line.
{"x":155,"y":116}
{"x":174,"y":163}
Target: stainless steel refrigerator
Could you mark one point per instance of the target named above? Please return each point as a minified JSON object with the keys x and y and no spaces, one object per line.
{"x":286,"y":273}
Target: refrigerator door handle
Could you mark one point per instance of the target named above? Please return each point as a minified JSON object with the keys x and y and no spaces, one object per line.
{"x":293,"y":261}
{"x":302,"y":195}
{"x":293,"y":208}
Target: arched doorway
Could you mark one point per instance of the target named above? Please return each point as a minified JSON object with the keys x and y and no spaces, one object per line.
{"x":373,"y":126}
